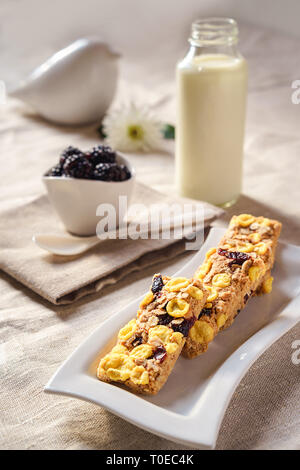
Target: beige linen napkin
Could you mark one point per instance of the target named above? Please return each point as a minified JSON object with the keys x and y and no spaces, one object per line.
{"x":61,"y":279}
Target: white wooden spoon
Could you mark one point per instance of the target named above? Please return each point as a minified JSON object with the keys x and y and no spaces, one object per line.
{"x":69,"y":245}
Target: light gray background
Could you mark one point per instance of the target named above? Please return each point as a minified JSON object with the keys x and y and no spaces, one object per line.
{"x":33,"y":29}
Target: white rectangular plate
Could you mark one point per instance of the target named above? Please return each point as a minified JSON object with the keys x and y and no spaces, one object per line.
{"x":190,"y":407}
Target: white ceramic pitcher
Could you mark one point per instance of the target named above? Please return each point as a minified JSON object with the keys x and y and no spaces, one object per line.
{"x":75,"y":86}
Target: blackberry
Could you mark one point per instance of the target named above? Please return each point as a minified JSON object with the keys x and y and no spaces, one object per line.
{"x":77,"y":166}
{"x":105,"y":171}
{"x":101,"y":154}
{"x":55,"y":171}
{"x":111,"y":172}
{"x":124,"y":173}
{"x":68,"y":152}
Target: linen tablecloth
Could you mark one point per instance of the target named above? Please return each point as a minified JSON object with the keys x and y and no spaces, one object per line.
{"x":37,"y":336}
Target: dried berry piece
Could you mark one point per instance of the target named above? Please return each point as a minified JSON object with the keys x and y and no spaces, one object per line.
{"x":160,"y":354}
{"x":236,"y":256}
{"x":138,"y":340}
{"x":157,"y":284}
{"x":165,"y":319}
{"x":77,"y":166}
{"x":184,"y":327}
{"x":205,"y":311}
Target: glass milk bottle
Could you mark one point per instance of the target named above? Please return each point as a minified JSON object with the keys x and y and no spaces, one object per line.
{"x":211,"y":105}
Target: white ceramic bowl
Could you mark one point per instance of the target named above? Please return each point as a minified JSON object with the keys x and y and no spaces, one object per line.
{"x":75,"y":200}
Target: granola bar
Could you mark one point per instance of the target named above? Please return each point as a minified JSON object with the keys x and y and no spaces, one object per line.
{"x":149,"y":345}
{"x":237,"y":269}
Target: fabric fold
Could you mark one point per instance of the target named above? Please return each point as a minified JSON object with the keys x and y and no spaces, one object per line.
{"x":63,"y":280}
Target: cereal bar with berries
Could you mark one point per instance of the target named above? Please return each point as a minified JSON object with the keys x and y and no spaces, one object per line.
{"x":232,"y":273}
{"x":149,"y":345}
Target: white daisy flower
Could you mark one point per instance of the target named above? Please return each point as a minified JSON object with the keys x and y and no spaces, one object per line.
{"x":132,"y":129}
